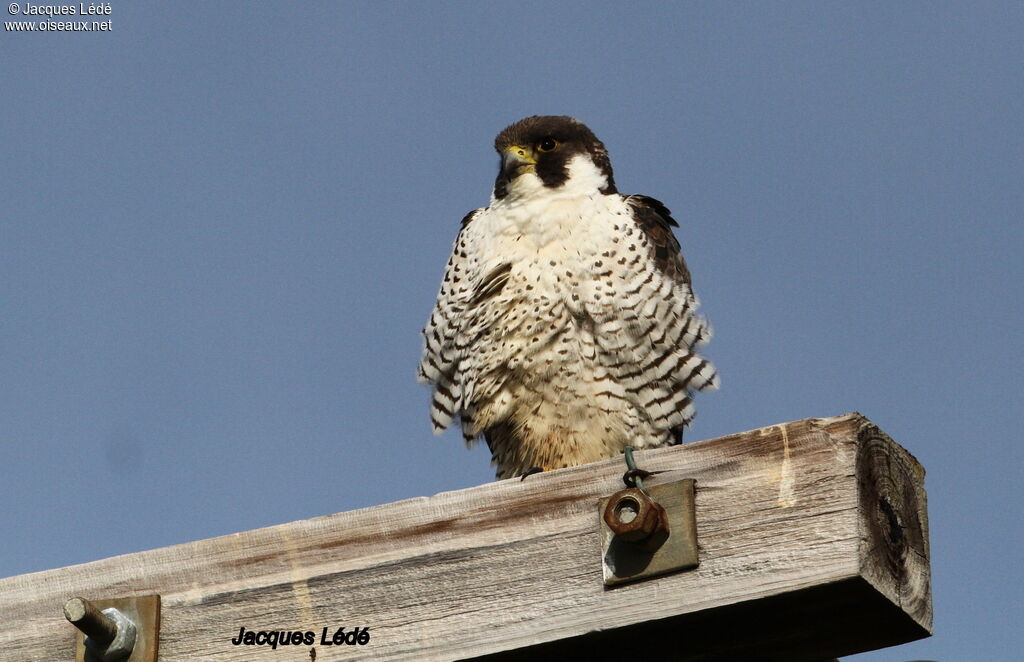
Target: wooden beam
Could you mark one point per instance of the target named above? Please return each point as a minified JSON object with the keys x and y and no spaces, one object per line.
{"x":813,"y":543}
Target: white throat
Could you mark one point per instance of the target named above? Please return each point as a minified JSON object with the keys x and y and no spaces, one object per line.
{"x":585,"y":179}
{"x":533,"y":217}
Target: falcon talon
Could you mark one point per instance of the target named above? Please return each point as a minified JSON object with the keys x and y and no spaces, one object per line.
{"x":530,"y":472}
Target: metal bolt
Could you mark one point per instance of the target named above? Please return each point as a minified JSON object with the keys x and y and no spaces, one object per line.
{"x":634,"y":517}
{"x":109,"y":633}
{"x":86,"y":617}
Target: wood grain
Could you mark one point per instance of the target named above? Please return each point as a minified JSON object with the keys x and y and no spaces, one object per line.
{"x":813,"y":544}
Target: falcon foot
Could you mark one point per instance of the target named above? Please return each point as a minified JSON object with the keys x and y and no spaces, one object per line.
{"x":530,"y":472}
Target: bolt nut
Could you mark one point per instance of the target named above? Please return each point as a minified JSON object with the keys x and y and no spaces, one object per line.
{"x":634,"y":517}
{"x":109,"y":634}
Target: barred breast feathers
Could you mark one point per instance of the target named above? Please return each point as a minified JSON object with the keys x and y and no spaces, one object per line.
{"x":606,"y":271}
{"x":565,"y":326}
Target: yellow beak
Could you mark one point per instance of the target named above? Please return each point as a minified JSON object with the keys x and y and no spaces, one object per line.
{"x":517,"y":160}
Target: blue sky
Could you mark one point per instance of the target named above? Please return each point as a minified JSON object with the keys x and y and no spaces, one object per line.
{"x":222,"y":226}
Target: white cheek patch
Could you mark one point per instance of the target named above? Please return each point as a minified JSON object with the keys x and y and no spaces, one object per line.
{"x":585,"y":178}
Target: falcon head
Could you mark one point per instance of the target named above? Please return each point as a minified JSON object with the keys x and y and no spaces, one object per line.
{"x":547,"y":146}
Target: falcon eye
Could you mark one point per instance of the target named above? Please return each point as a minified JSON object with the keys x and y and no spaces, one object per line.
{"x":547,"y":145}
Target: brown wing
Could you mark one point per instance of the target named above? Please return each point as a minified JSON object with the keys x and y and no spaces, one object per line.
{"x":656,"y":222}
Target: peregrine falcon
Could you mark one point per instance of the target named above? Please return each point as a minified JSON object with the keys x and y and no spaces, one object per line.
{"x":565,"y":328}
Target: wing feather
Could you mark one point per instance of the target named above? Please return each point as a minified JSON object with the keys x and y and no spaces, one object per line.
{"x":443,"y":352}
{"x":656,"y":364}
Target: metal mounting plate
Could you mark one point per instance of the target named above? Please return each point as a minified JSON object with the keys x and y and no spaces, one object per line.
{"x":144,"y":611}
{"x":625,"y":562}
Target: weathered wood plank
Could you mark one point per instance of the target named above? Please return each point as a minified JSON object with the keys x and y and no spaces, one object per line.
{"x":813,"y":539}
